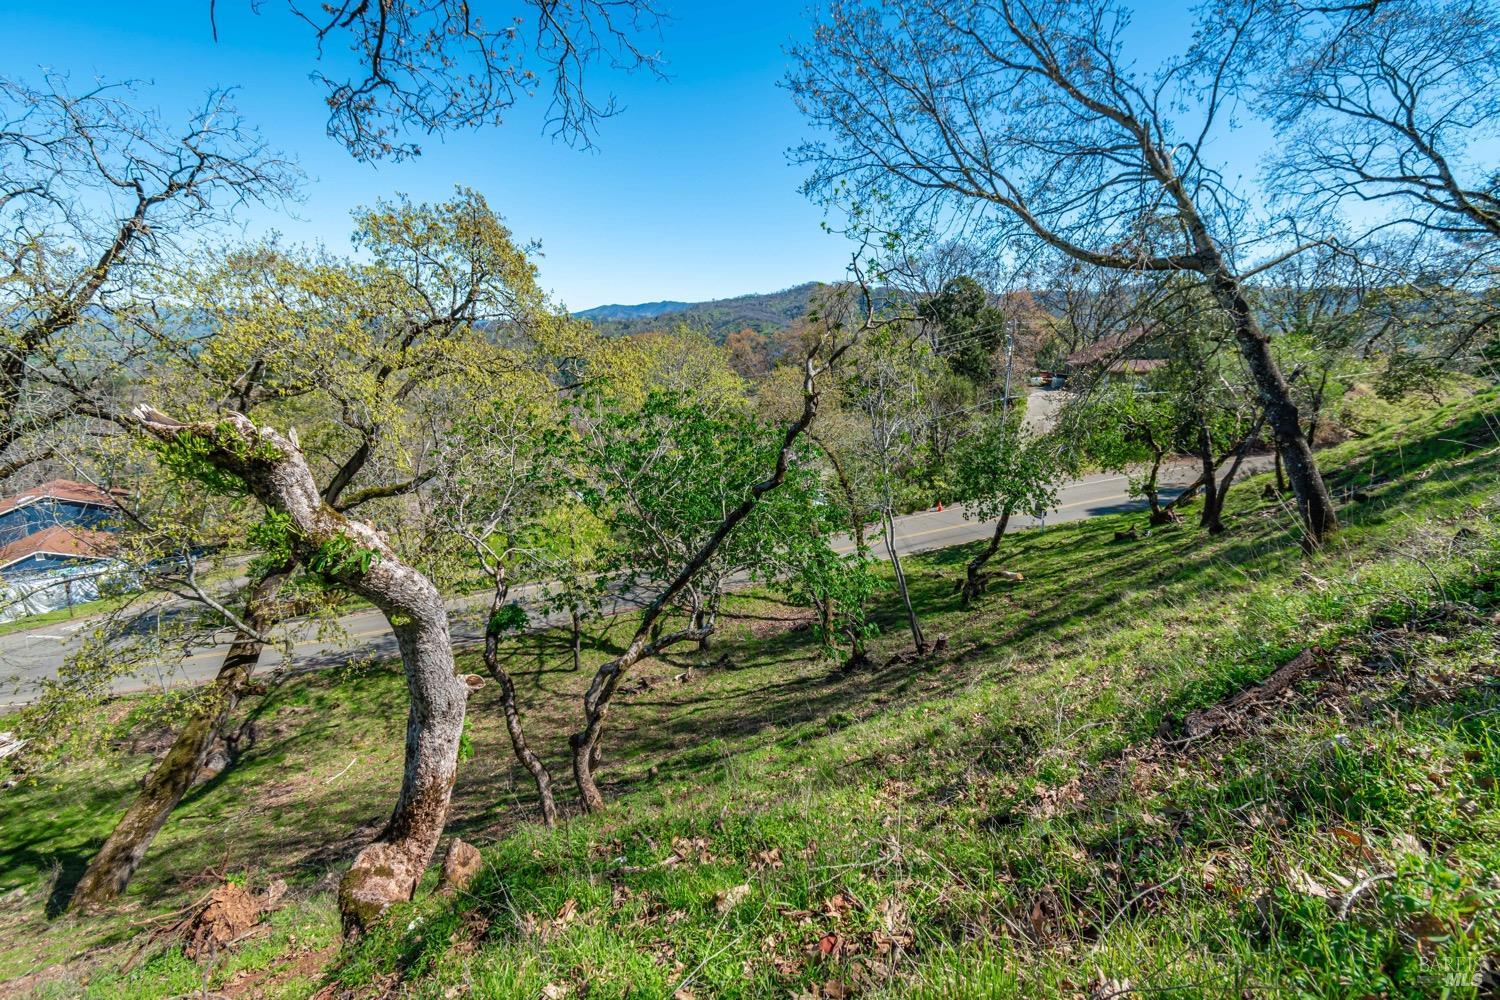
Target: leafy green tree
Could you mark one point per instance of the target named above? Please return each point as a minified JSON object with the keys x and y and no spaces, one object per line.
{"x":666,"y":472}
{"x":967,"y":330}
{"x":363,"y":356}
{"x":1001,"y":473}
{"x":697,"y":494}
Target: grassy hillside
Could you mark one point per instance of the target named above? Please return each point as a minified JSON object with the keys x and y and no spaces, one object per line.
{"x":1084,"y":793}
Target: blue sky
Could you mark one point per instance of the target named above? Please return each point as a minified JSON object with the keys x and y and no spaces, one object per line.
{"x":689,"y":194}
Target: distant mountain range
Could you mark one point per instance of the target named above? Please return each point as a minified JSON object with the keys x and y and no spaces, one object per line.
{"x":718,"y":318}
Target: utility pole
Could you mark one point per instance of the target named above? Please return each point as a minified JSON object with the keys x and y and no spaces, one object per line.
{"x":1009,"y":350}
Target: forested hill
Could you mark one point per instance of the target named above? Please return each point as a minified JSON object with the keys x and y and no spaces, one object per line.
{"x":719,"y":318}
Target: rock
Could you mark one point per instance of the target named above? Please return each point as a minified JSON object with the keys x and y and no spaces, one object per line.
{"x":213,"y":765}
{"x":381,"y":875}
{"x":460,"y":865}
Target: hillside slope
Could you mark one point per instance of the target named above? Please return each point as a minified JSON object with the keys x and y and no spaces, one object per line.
{"x":1164,"y":764}
{"x":762,"y":313}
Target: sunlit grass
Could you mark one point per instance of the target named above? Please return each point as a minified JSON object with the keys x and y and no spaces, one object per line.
{"x":1012,"y":817}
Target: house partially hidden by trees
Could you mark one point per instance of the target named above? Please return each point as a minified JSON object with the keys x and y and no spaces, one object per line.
{"x":1114,"y":354}
{"x":56,"y":547}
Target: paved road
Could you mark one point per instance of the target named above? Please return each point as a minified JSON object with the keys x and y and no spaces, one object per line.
{"x":28,"y":657}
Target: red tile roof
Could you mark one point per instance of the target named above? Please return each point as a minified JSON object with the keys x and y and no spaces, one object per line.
{"x":58,"y":489}
{"x":63,"y":541}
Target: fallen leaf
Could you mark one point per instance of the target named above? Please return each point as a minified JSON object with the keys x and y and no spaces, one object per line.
{"x":1348,"y":836}
{"x":730,"y":898}
{"x":1299,"y":881}
{"x":837,"y":905}
{"x":832,"y":945}
{"x":1406,"y":844}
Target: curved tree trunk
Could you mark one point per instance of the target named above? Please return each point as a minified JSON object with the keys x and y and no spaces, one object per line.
{"x":973,"y":572}
{"x":358,"y":557}
{"x":512,"y":713}
{"x":116,"y":862}
{"x":1313,"y":502}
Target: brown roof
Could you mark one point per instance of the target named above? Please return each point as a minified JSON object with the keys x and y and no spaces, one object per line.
{"x":1105,"y":347}
{"x":1137,"y":366}
{"x":63,"y":541}
{"x":58,"y":489}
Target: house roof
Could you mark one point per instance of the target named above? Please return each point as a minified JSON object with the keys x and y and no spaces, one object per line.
{"x":1136,"y":366}
{"x":59,"y":489}
{"x":1105,"y":348}
{"x":60,"y":540}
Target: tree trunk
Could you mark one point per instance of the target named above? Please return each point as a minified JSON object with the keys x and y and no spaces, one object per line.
{"x":851,"y":496}
{"x":596,"y":701}
{"x":1213,"y":499}
{"x":1313,"y":501}
{"x":116,"y":862}
{"x":512,"y":712}
{"x":577,"y":621}
{"x":973,"y":580}
{"x":358,"y":557}
{"x":888,"y":526}
{"x":1160,"y":514}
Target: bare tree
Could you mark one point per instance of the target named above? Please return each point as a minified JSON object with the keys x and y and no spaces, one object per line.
{"x":1025,"y":116}
{"x":888,"y":388}
{"x":99,"y":200}
{"x":433,"y":66}
{"x":1386,"y":103}
{"x":496,"y":482}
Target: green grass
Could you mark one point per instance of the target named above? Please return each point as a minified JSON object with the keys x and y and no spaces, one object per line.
{"x":102,"y":606}
{"x":1018,"y":815}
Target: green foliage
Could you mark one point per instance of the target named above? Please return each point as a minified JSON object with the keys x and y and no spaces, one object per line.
{"x":193,"y":457}
{"x":506,"y":619}
{"x":1001,"y":471}
{"x":968,"y":329}
{"x":341,"y":556}
{"x":275,"y":536}
{"x":1018,"y":778}
{"x":666,"y":473}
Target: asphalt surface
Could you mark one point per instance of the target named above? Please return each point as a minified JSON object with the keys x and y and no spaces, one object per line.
{"x":28,"y":658}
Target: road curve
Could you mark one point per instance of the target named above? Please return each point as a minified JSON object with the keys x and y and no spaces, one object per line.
{"x":27,"y":658}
